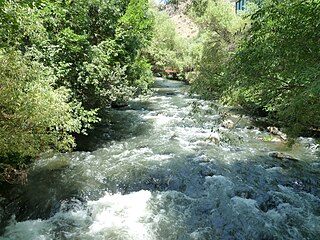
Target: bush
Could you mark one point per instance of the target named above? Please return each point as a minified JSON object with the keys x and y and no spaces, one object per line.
{"x":167,"y":50}
{"x":277,"y":65}
{"x":219,"y":25}
{"x":58,"y":58}
{"x":34,"y":116}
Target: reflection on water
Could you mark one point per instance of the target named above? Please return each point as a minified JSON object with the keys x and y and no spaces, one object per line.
{"x":166,"y":168}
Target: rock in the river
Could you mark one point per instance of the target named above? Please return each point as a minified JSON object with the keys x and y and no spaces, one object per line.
{"x":228,"y":124}
{"x":282,"y":156}
{"x":276,"y":131}
{"x":119,"y":104}
{"x":207,"y":172}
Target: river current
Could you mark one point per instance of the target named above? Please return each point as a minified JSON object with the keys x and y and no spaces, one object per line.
{"x":167,"y":168}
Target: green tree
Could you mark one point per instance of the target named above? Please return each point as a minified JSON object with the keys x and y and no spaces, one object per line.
{"x":59,"y":58}
{"x":168,"y":49}
{"x":277,"y":65}
{"x":34,"y":116}
{"x":103,"y":79}
{"x":219,"y":27}
{"x":133,"y":34}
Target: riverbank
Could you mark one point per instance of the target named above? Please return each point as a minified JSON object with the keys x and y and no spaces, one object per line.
{"x":167,"y":168}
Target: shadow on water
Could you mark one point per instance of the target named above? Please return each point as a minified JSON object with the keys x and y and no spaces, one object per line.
{"x":207,"y":199}
{"x":122,"y":123}
{"x":57,"y":181}
{"x":117,"y":125}
{"x":259,"y":199}
{"x":60,"y":181}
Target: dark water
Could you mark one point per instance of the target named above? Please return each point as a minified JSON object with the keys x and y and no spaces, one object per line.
{"x":166,"y":168}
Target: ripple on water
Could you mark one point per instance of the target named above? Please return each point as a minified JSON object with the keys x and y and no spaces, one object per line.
{"x":168,"y":169}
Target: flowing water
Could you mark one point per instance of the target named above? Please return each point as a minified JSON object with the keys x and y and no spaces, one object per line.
{"x":166,"y":168}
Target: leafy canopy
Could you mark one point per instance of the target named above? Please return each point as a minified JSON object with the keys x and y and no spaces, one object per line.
{"x":277,"y":64}
{"x":33,"y":115}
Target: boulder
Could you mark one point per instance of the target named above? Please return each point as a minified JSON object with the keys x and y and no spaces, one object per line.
{"x":282,"y":156}
{"x":276,"y":131}
{"x":228,"y":124}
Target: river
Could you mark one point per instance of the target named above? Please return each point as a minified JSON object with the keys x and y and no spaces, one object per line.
{"x":166,"y":168}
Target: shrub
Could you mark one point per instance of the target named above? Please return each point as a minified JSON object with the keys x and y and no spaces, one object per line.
{"x":34,"y":116}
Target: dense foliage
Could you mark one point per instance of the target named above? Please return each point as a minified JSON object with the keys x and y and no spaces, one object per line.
{"x":277,"y":65}
{"x":63,"y":60}
{"x":219,"y":25}
{"x":168,"y":50}
{"x":33,"y":114}
{"x":162,"y":50}
{"x":265,"y":58}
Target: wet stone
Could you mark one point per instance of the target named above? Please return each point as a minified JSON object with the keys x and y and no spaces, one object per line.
{"x":282,"y":156}
{"x":228,"y":124}
{"x":207,"y":172}
{"x":266,"y":202}
{"x":245,"y":193}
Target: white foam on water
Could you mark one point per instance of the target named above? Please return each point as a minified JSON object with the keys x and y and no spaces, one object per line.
{"x":189,"y":204}
{"x":63,"y":225}
{"x":161,"y":120}
{"x":110,"y":217}
{"x":121,"y":216}
{"x":33,"y":229}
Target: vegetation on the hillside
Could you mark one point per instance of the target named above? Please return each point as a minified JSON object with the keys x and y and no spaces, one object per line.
{"x":60,"y":61}
{"x":265,"y":58}
{"x":168,"y":50}
{"x":219,"y":25}
{"x":276,"y":66}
